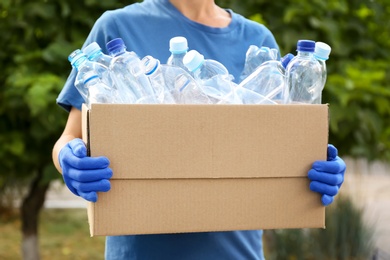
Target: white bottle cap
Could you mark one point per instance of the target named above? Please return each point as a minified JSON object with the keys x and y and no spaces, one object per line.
{"x":322,"y":50}
{"x":91,"y":49}
{"x":178,"y":45}
{"x":193,"y":60}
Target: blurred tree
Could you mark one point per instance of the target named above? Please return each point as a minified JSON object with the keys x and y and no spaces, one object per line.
{"x":36,"y":38}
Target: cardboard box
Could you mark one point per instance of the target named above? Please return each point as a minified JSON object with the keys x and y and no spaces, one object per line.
{"x":195,"y":168}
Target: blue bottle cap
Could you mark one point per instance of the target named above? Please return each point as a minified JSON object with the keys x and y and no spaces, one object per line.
{"x":115,"y":44}
{"x":286,"y":59}
{"x":193,"y":60}
{"x":178,"y":45}
{"x":306,"y":45}
{"x":322,"y":51}
{"x":91,"y":48}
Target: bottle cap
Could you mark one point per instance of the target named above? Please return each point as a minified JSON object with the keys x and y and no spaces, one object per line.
{"x":91,"y":48}
{"x":322,"y":50}
{"x":306,"y":45}
{"x":115,"y":44}
{"x":286,"y":59}
{"x":178,"y":45}
{"x":150,"y":64}
{"x":193,"y":60}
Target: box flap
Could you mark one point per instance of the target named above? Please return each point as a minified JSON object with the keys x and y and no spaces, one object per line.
{"x":207,"y":141}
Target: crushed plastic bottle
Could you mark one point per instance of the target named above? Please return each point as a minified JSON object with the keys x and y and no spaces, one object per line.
{"x":98,"y":91}
{"x":256,"y":56}
{"x":268,"y":79}
{"x":128,"y":74}
{"x":205,"y":71}
{"x":82,"y":65}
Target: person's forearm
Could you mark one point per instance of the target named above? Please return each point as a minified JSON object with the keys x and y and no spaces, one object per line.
{"x":72,"y":130}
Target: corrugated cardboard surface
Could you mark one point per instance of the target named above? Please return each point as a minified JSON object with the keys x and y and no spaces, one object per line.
{"x":189,"y":168}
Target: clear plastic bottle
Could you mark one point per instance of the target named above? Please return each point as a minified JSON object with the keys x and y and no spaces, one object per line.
{"x":205,"y":71}
{"x":178,"y":46}
{"x":303,"y":75}
{"x":128,"y":73}
{"x":98,"y":91}
{"x":189,"y":90}
{"x":321,"y":53}
{"x":82,"y":65}
{"x":256,"y":56}
{"x":268,"y":79}
{"x":94,"y":53}
{"x":160,"y":77}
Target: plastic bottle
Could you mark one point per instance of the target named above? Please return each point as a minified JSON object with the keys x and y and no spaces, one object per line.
{"x":178,"y":46}
{"x":256,"y":56}
{"x":79,"y":61}
{"x":205,"y":71}
{"x":285,"y":60}
{"x":189,"y":90}
{"x":321,"y":53}
{"x":269,"y":79}
{"x":161,"y":77}
{"x":98,"y":91}
{"x":94,"y":53}
{"x":128,"y":73}
{"x":303,"y":75}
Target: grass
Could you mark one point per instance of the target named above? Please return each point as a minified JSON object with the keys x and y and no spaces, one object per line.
{"x":63,"y":234}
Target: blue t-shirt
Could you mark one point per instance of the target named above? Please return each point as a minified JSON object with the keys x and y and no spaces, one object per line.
{"x":146,"y":29}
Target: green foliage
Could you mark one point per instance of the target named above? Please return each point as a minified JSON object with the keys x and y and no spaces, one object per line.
{"x":357,"y":89}
{"x":346,"y":237}
{"x":37,"y":37}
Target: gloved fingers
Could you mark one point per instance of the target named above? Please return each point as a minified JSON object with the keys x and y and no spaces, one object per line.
{"x":90,"y":196}
{"x":324,"y":188}
{"x":332,"y":152}
{"x":97,"y":186}
{"x":324,"y":177}
{"x":335,"y":166}
{"x":67,"y":181}
{"x":78,"y":147}
{"x":326,"y":199}
{"x":89,"y":175}
{"x":86,"y":163}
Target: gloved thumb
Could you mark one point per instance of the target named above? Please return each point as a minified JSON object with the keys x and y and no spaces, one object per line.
{"x":332,"y":152}
{"x":326,"y":199}
{"x":78,"y":148}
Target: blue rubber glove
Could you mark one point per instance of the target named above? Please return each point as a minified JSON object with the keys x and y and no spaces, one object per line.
{"x":327,"y":176}
{"x":83,"y":175}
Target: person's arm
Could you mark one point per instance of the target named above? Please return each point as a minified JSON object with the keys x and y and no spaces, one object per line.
{"x":83,"y":175}
{"x":72,"y":130}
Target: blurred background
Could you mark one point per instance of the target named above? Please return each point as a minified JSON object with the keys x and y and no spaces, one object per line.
{"x":40,"y":218}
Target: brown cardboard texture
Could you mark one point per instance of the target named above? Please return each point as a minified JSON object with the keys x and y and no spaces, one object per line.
{"x":195,"y":168}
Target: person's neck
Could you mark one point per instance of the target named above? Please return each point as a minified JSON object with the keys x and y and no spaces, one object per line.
{"x":203,"y":11}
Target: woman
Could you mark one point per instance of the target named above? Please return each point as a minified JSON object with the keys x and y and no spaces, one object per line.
{"x":146,"y":29}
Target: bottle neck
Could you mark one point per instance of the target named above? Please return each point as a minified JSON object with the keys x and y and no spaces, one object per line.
{"x":305,"y":53}
{"x":95,"y":55}
{"x":79,"y":62}
{"x":118,"y":51}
